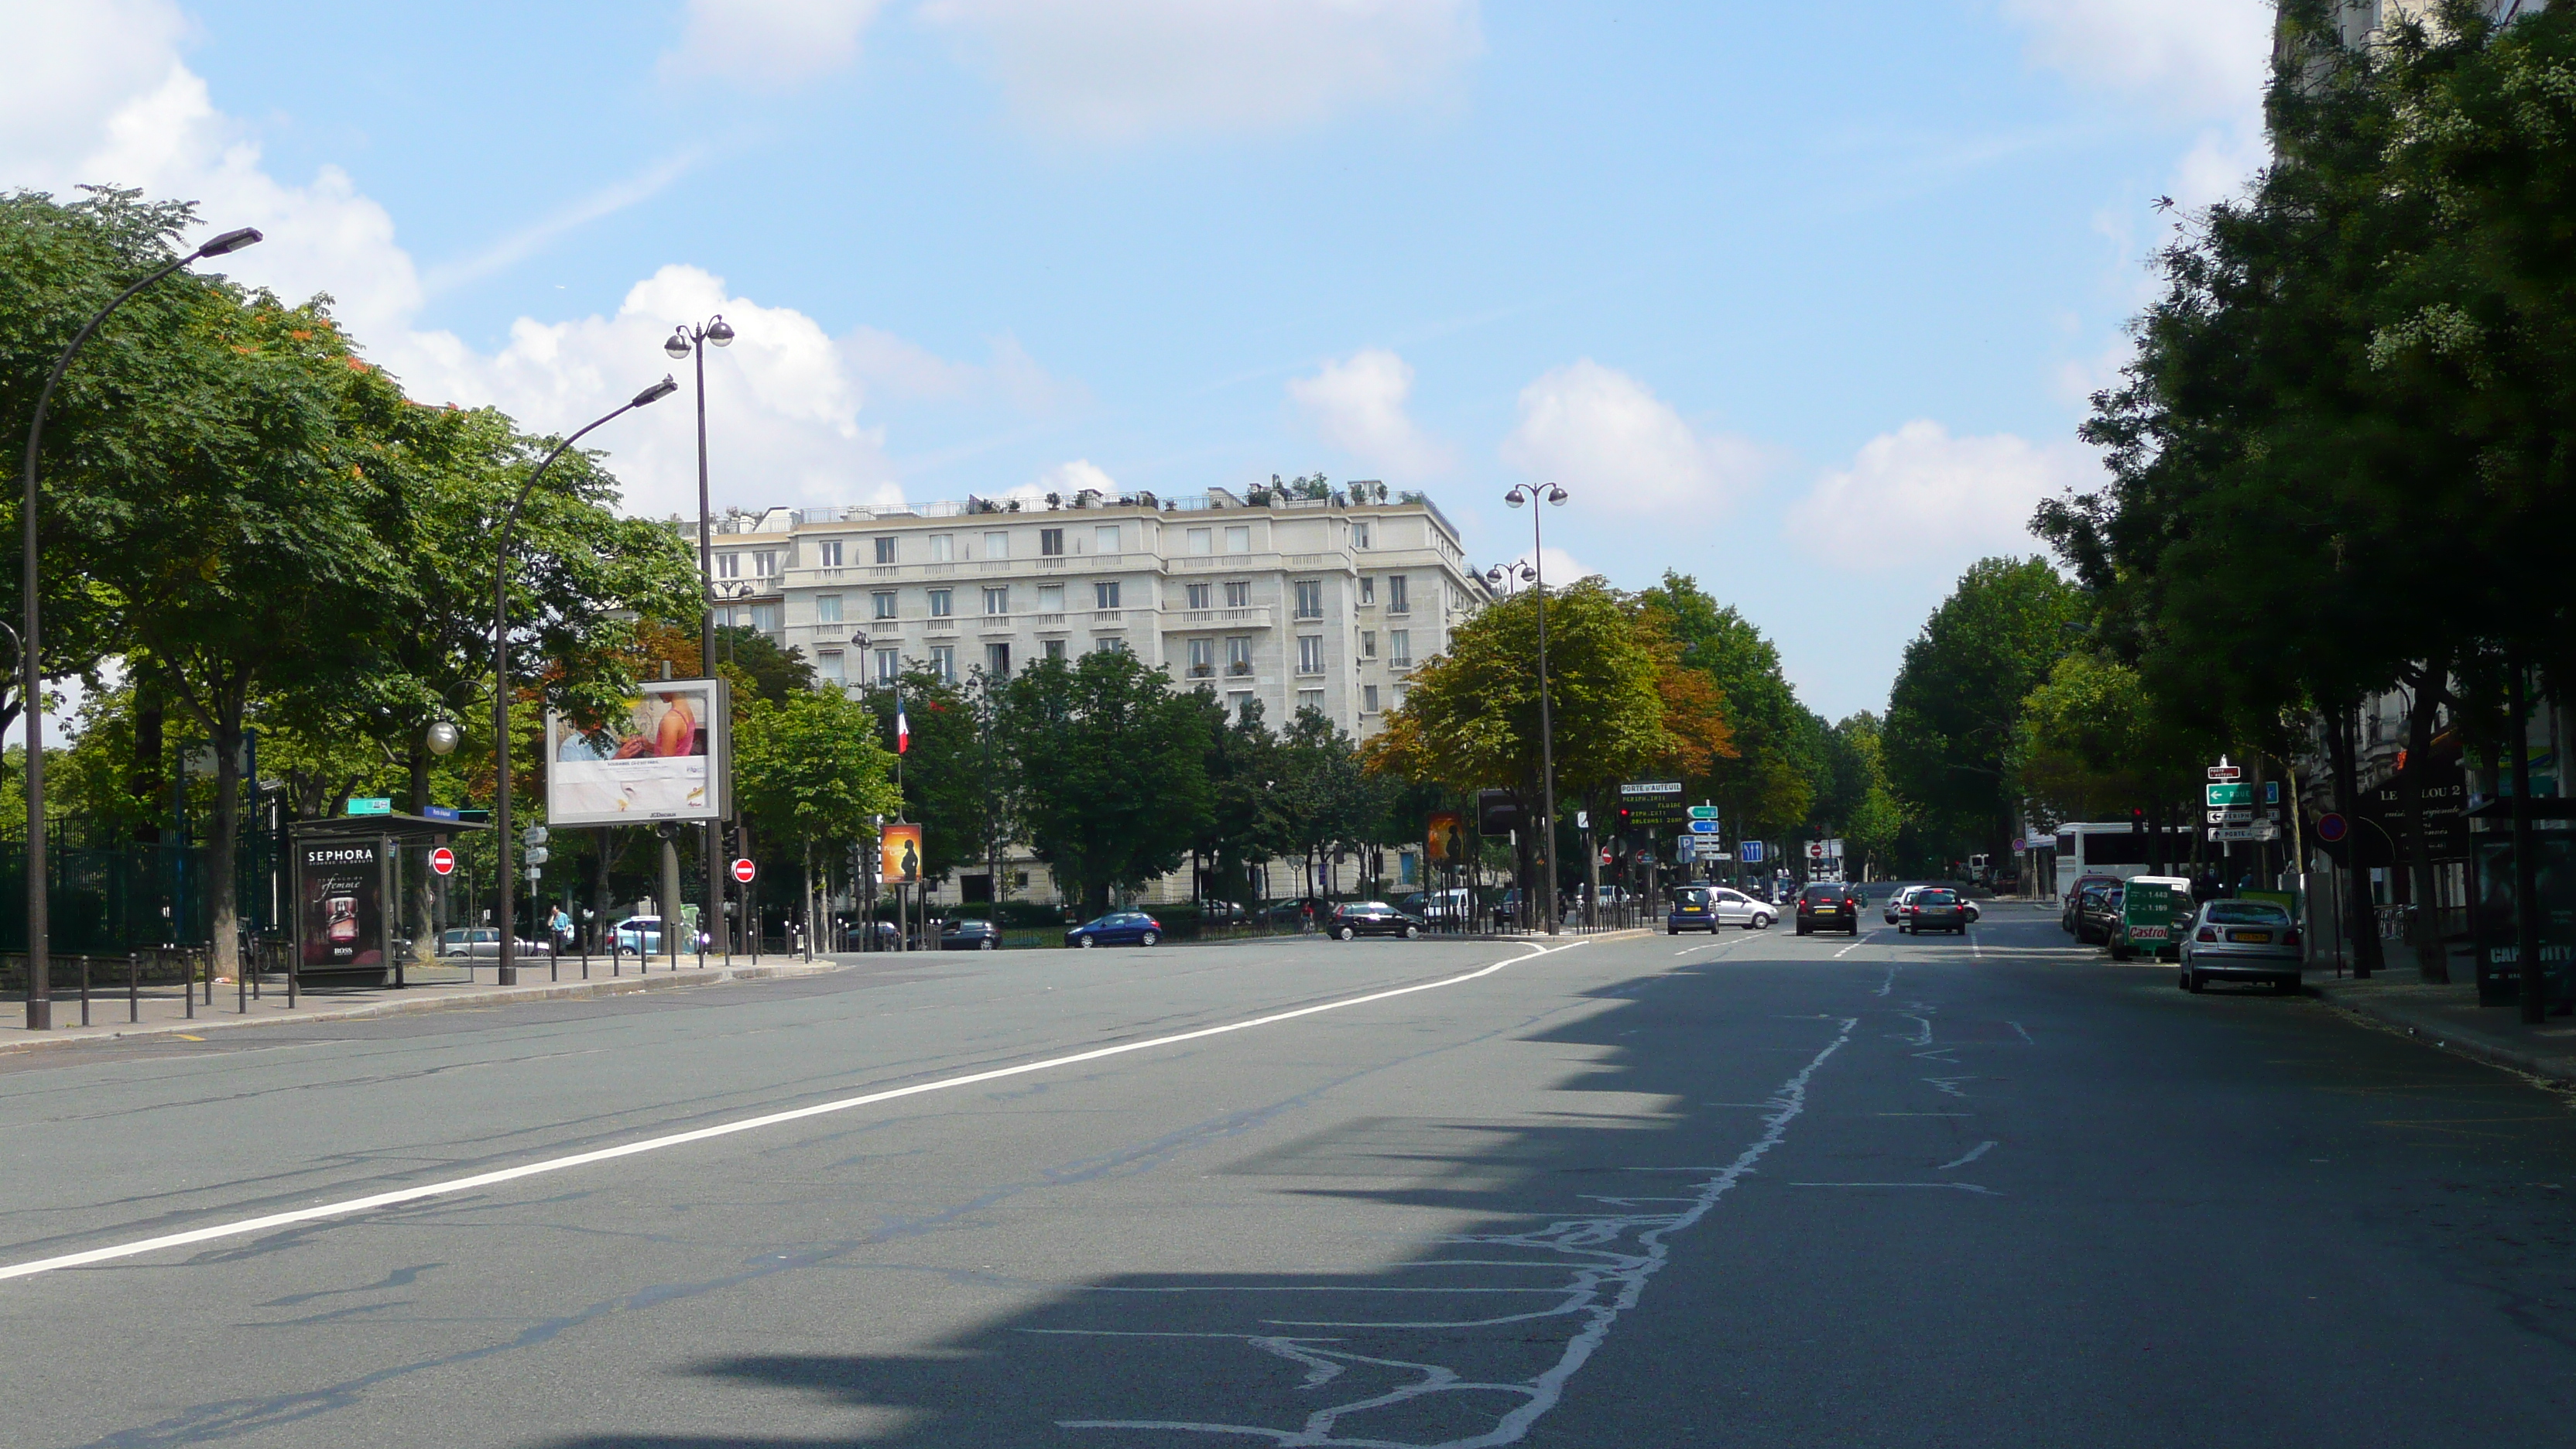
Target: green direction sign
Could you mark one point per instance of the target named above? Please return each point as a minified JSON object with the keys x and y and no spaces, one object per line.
{"x":371,"y":805}
{"x":1703,"y":812}
{"x":2233,"y":793}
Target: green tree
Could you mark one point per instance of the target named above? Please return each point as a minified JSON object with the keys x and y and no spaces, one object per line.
{"x":1246,"y":819}
{"x":1109,"y":768}
{"x":1768,"y":786}
{"x":1958,"y":696}
{"x":950,"y":770}
{"x":809,"y":772}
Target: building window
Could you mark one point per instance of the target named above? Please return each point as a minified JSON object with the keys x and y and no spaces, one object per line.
{"x":1109,"y":644}
{"x":1238,"y":538}
{"x":997,"y":545}
{"x":1368,"y":699}
{"x":1360,"y":537}
{"x":764,"y":564}
{"x":1051,"y":542}
{"x":1238,"y":655}
{"x":764,"y":617}
{"x":1368,"y":589}
{"x":1310,"y":598}
{"x":828,"y":553}
{"x":889,"y":666}
{"x":881,"y":605}
{"x":728,"y":565}
{"x":1310,"y":699}
{"x":1399,"y":647}
{"x":1310,"y":654}
{"x":1240,"y":703}
{"x":827,"y":666}
{"x":1104,"y":539}
{"x":1396,"y":602}
{"x":827,"y":608}
{"x":943,"y":548}
{"x":1199,"y":594}
{"x":1054,"y":648}
{"x":1202,"y":540}
{"x":997,"y":660}
{"x":1368,"y":643}
{"x":885,"y":550}
{"x":942,"y":603}
{"x":943,"y":662}
{"x":1238,"y":594}
{"x":1202,"y":659}
{"x":1050,"y":598}
{"x":724,"y":617}
{"x":1104,"y":594}
{"x":997,"y":601}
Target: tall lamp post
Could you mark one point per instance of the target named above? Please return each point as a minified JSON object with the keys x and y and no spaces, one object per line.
{"x":1530,"y":495}
{"x":690,"y":342}
{"x":40,"y":1004}
{"x":505,"y":896}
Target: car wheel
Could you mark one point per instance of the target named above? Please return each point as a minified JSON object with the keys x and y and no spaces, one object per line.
{"x":1346,"y":933}
{"x":1760,"y":923}
{"x":1672,"y":930}
{"x":1149,"y":938}
{"x":1412,"y":933}
{"x":987,"y":944}
{"x":2191,"y":981}
{"x":2182,"y":978}
{"x":2121,"y":953}
{"x":1802,"y":928}
{"x":1087,"y":943}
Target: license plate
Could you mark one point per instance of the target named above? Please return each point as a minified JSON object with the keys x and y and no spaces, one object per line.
{"x":1690,"y":910}
{"x":2251,"y":938}
{"x":1825,"y":910}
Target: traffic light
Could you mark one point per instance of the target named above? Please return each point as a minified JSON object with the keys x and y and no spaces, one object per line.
{"x":2137,"y":822}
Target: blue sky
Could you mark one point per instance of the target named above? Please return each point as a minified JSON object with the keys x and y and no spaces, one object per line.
{"x":1803,"y":300}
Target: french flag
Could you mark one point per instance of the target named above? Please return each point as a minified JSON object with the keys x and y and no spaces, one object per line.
{"x":902,"y":726}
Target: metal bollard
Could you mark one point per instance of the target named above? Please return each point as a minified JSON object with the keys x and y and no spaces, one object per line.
{"x":84,"y":990}
{"x":241,"y":982}
{"x":133,"y":986}
{"x":188,"y":984}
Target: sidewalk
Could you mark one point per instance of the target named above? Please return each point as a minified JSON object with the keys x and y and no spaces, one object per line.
{"x":164,"y":1010}
{"x":2449,"y":1017}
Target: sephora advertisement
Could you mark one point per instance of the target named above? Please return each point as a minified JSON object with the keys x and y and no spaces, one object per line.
{"x":664,"y":757}
{"x":341,"y":903}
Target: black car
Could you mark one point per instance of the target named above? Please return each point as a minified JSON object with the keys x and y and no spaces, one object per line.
{"x":1830,"y":906}
{"x":2097,"y":910}
{"x":1936,"y":908}
{"x":969,"y":935}
{"x":1371,"y":918}
{"x":2069,"y":914}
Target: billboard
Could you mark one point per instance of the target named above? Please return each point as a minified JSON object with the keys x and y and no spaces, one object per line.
{"x":666,"y":756}
{"x":1446,"y":840}
{"x":899,"y":854}
{"x":340,"y":903}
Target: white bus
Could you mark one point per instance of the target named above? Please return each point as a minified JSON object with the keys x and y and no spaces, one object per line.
{"x":2112,"y":848}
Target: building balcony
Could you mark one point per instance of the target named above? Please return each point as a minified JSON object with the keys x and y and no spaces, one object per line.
{"x":1253,"y":617}
{"x":1239,"y":669}
{"x":1202,"y":671}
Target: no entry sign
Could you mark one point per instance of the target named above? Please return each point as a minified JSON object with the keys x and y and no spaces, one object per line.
{"x":443,"y":861}
{"x":744,"y":870}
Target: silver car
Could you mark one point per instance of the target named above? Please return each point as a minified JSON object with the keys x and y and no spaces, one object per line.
{"x":2242,"y":941}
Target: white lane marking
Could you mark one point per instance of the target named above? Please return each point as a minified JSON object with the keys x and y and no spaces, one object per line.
{"x":1950,"y":1084}
{"x":244,"y":1226}
{"x":1890,"y":983}
{"x":1972,"y":1154}
{"x":1608,"y":1280}
{"x":1956,"y":1187}
{"x":2025,"y":1035}
{"x":1854,"y":946}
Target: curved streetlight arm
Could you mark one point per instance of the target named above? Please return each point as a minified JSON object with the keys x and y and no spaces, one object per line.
{"x":506,"y":902}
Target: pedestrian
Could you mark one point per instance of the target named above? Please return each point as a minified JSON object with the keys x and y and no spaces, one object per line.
{"x":559,"y":928}
{"x":1306,"y":918}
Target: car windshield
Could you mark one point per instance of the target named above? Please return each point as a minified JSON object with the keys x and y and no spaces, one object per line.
{"x":1936,"y":898}
{"x":1690,"y":896}
{"x":1825,"y":892}
{"x":2248,"y":913}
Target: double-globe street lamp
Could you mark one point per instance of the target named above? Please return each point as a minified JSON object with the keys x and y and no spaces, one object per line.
{"x":1530,"y":495}
{"x":687,"y":342}
{"x":506,"y":897}
{"x":40,"y":1004}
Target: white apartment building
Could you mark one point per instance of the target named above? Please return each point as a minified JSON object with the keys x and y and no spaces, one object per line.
{"x":1323,"y":604}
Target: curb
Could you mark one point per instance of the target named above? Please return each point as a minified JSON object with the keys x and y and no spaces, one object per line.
{"x":2450,"y":1036}
{"x":498,"y":996}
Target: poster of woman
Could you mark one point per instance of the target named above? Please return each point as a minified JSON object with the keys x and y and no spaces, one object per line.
{"x":663,"y":757}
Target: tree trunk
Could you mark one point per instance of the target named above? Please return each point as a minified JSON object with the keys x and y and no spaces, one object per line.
{"x":2361,"y":923}
{"x":2425,"y":931}
{"x":416,"y":883}
{"x":2526,"y":874}
{"x":810,"y":941}
{"x":144,"y":783}
{"x":221,"y":850}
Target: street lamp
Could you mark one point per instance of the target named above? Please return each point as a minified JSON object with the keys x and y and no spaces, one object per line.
{"x":506,"y":897}
{"x":40,"y":1005}
{"x":1521,"y":494}
{"x":690,"y":342}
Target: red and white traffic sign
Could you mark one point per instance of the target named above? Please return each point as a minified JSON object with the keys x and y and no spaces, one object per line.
{"x":744,"y":870}
{"x":443,"y":861}
{"x":2227,"y":772}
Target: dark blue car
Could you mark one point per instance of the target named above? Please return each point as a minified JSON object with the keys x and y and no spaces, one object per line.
{"x":1118,"y":928}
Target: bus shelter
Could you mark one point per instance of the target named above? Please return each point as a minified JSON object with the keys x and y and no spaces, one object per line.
{"x":350,"y":873}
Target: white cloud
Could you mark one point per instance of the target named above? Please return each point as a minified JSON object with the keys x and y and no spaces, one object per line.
{"x":1357,"y":405}
{"x":1067,"y":479}
{"x":1557,"y":566}
{"x":2194,"y":58}
{"x":1920,"y":495}
{"x":781,"y":41}
{"x":1613,"y":443}
{"x":1120,"y":69}
{"x":784,"y":402}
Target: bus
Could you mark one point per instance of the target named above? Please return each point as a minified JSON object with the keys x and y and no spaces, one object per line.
{"x":2114,"y":848}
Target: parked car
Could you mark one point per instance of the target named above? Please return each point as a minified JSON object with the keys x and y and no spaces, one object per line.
{"x":2097,"y":910}
{"x":966,"y":934}
{"x":1896,"y":903}
{"x":1372,"y":918}
{"x":1830,"y":906}
{"x":642,"y":935}
{"x":1118,"y":928}
{"x":2242,"y":941}
{"x":1935,"y":908}
{"x":2070,"y":910}
{"x":483,"y":943}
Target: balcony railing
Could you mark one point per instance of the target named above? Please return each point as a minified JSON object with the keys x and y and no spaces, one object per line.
{"x":1238,"y":668}
{"x":1202,"y":671}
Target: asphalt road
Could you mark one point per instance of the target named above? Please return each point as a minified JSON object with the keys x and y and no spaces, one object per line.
{"x":1756,"y":1189}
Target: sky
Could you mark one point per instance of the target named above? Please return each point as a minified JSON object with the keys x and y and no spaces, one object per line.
{"x":1802,"y":300}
